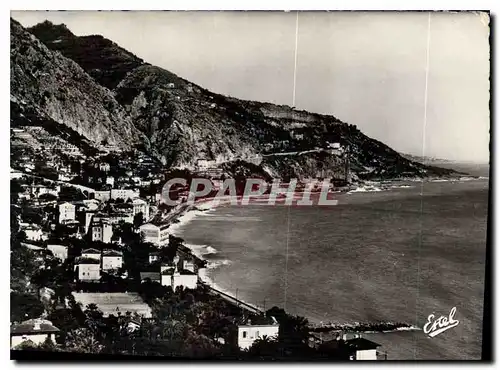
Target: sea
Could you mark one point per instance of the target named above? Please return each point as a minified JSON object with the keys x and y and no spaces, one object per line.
{"x":395,"y":255}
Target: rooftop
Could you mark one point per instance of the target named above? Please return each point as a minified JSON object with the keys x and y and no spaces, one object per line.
{"x":112,"y":303}
{"x":258,"y":320}
{"x":362,"y":344}
{"x":35,"y":326}
{"x":150,"y":275}
{"x":91,"y":251}
{"x":112,"y":253}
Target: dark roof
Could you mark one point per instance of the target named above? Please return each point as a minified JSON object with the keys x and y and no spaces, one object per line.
{"x":87,"y":261}
{"x":362,"y":344}
{"x":150,"y":275}
{"x":186,"y":272}
{"x":91,"y":250}
{"x":112,"y":253}
{"x":258,"y":320}
{"x":28,"y":327}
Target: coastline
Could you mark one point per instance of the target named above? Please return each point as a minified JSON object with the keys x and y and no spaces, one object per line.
{"x":208,"y":205}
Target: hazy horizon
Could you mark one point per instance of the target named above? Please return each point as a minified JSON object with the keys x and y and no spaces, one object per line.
{"x":366,"y":69}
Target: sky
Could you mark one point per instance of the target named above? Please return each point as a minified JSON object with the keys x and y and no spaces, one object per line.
{"x":367,"y":69}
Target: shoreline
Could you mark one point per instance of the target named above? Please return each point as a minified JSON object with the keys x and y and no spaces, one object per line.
{"x":206,"y":206}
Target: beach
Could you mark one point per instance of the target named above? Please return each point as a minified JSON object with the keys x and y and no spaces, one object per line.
{"x":378,"y":256}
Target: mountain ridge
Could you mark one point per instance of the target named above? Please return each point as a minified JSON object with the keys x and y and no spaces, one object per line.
{"x":181,"y":122}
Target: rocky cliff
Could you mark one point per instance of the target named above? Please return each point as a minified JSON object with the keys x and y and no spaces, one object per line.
{"x":106,"y":93}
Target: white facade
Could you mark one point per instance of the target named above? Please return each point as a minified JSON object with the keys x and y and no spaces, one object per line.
{"x":37,"y":339}
{"x":153,"y":257}
{"x":102,"y":195}
{"x":66,"y":212}
{"x":59,"y":251}
{"x":33,"y":233}
{"x":139,"y":206}
{"x":367,"y":354}
{"x":157,"y":235}
{"x":89,"y":271}
{"x":247,"y":334}
{"x":111,"y":262}
{"x":185,"y":280}
{"x":110,"y":180}
{"x":102,"y":231}
{"x":123,"y":194}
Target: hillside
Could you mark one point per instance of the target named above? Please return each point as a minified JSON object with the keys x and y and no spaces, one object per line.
{"x":55,"y":88}
{"x":184,"y":122}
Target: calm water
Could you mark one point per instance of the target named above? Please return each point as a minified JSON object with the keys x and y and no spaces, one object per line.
{"x":385,"y":256}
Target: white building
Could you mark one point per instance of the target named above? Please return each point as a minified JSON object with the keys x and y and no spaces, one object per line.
{"x":102,"y":195}
{"x":153,"y":256}
{"x":112,"y":260}
{"x":33,"y":232}
{"x":88,"y":220}
{"x":110,"y":180}
{"x":362,"y":349}
{"x":124,"y":194}
{"x":139,"y":206}
{"x":204,"y":164}
{"x":101,"y":231}
{"x":36,"y":331}
{"x":66,"y":212}
{"x":89,"y":269}
{"x":156,"y":234}
{"x":257,"y":328}
{"x":91,"y":253}
{"x":59,"y":251}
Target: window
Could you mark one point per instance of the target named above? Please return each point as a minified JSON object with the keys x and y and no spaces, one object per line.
{"x":244,"y":334}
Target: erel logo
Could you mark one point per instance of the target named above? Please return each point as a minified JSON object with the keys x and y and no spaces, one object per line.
{"x":440,"y":325}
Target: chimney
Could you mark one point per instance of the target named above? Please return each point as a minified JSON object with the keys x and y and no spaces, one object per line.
{"x":36,"y":325}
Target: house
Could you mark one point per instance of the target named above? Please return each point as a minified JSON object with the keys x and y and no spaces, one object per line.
{"x":89,"y":269}
{"x":102,"y":195}
{"x":66,"y":212}
{"x":59,"y":251}
{"x":184,"y":278}
{"x":153,"y":276}
{"x":15,"y":174}
{"x":124,"y":194}
{"x":133,"y":326}
{"x":187,"y":264}
{"x":112,"y":260}
{"x":153,"y":256}
{"x":117,"y":217}
{"x":256,"y":327}
{"x":101,"y":231}
{"x":139,"y":206}
{"x":203,"y":164}
{"x":88,"y":220}
{"x":33,"y":232}
{"x":36,"y":331}
{"x":112,"y":303}
{"x":110,"y":180}
{"x":156,"y":234}
{"x":91,"y":253}
{"x":362,"y":348}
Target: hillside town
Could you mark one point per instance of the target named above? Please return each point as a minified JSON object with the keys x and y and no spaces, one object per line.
{"x":92,"y":253}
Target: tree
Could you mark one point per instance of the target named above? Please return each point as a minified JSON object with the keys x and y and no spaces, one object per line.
{"x":265,"y":348}
{"x":138,"y":220}
{"x":24,"y":306}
